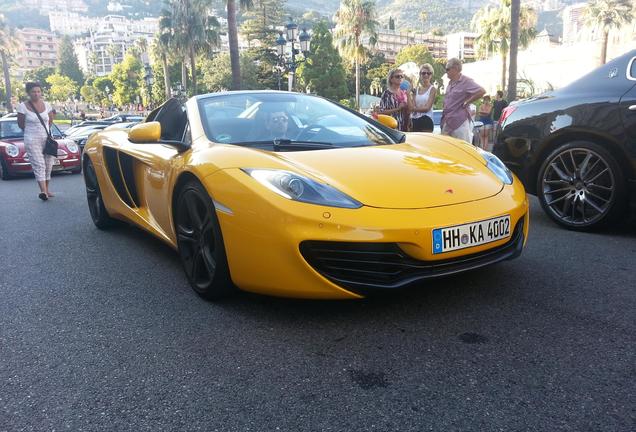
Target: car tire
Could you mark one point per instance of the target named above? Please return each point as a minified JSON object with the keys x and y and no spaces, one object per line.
{"x":4,"y":170}
{"x":99,"y":214}
{"x":581,"y":186}
{"x":200,"y":243}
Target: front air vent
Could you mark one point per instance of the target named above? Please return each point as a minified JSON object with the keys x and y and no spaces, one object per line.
{"x":116,"y":173}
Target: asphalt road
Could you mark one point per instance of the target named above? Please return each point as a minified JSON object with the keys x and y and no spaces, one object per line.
{"x":99,"y":331}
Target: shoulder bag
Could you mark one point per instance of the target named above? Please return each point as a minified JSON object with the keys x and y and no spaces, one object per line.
{"x":50,"y":147}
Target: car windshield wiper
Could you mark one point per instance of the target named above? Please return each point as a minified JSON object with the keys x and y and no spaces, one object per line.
{"x":288,"y":144}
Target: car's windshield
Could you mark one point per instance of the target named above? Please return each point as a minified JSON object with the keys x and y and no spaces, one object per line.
{"x":296,"y":120}
{"x":10,"y":129}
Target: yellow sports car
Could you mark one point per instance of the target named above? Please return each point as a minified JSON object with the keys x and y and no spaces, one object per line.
{"x":291,"y":195}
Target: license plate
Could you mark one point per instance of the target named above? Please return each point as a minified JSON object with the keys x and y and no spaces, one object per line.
{"x":471,"y":234}
{"x":56,"y":162}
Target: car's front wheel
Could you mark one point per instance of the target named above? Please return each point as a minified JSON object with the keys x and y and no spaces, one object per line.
{"x":200,"y":243}
{"x":99,"y":214}
{"x":581,"y":186}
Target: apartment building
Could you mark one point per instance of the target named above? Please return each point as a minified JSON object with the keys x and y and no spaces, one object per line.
{"x":37,"y":48}
{"x":391,"y":42}
{"x":74,"y":24}
{"x":461,"y":45}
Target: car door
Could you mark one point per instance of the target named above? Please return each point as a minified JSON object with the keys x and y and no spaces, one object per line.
{"x":628,"y":108}
{"x":147,"y":168}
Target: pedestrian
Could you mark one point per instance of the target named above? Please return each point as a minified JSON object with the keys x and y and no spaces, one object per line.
{"x":422,"y":101}
{"x":82,"y":115}
{"x":485,"y":116}
{"x":35,"y":117}
{"x":498,"y":106}
{"x":460,"y":93}
{"x":394,"y":100}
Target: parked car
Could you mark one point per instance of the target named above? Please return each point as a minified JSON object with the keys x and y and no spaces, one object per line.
{"x":119,"y":118}
{"x":121,"y":126}
{"x":575,"y":148}
{"x":297,"y":196}
{"x":81,"y":134}
{"x":14,"y":160}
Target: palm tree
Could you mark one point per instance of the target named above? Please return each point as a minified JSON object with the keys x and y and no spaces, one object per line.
{"x":190,"y":31}
{"x":606,"y":15}
{"x":354,"y":20}
{"x":515,"y":12}
{"x":160,"y":50}
{"x":232,"y":36}
{"x":114,"y":51}
{"x":493,"y":23}
{"x":7,"y":43}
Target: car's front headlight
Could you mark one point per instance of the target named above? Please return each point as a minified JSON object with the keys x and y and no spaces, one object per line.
{"x":495,"y":165}
{"x":72,"y":147}
{"x":300,"y":188}
{"x":12,"y":150}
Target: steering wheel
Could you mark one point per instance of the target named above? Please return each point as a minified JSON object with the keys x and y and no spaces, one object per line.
{"x":310,"y":131}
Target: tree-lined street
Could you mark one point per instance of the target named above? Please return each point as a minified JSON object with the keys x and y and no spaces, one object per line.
{"x":100,"y":331}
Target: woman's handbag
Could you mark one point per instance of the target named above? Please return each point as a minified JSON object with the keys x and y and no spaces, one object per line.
{"x":50,"y":147}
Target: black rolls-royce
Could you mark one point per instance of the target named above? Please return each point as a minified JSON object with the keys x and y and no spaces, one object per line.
{"x":575,"y":148}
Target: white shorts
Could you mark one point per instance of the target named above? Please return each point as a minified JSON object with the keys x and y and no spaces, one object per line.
{"x":464,"y":132}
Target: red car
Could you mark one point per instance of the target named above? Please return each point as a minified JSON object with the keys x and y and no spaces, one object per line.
{"x":14,"y":160}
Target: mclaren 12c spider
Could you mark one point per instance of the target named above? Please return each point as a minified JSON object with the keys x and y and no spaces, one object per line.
{"x":292,"y":195}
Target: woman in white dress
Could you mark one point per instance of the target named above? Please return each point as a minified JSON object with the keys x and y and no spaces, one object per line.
{"x":35,"y":136}
{"x":422,"y":101}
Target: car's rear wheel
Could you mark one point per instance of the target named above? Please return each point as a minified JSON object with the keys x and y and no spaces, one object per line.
{"x":99,"y":214}
{"x":581,"y":186}
{"x":4,"y":170}
{"x":200,"y":243}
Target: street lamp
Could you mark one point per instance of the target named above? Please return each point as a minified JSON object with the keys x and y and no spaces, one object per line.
{"x":291,"y":62}
{"x":149,"y":79}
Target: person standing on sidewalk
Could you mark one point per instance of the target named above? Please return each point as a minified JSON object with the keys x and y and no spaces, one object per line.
{"x":460,"y":93}
{"x":35,"y":135}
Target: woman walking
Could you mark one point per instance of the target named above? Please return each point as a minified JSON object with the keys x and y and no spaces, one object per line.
{"x":35,"y":135}
{"x":422,"y":102}
{"x":394,"y":101}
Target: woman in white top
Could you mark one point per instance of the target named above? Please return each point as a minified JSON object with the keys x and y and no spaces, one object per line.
{"x":35,"y":136}
{"x":422,"y":101}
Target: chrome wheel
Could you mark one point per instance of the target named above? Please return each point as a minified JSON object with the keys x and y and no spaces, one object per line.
{"x":200,"y":243}
{"x":578,"y":186}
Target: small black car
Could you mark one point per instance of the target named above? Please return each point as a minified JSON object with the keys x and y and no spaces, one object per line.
{"x":575,"y":148}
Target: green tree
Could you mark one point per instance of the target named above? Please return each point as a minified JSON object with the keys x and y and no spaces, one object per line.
{"x":7,"y":44}
{"x":323,"y":72}
{"x":67,"y":63}
{"x":261,"y":20}
{"x":232,"y":35}
{"x":391,"y":23}
{"x":377,"y":78}
{"x":492,"y":24}
{"x":192,"y":32}
{"x":127,"y":78}
{"x":606,"y":15}
{"x":354,"y":20}
{"x":217,"y":73}
{"x":40,"y":75}
{"x":62,"y":88}
{"x":101,"y":84}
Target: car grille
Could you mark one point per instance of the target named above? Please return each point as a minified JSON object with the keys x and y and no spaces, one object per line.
{"x":368,"y":267}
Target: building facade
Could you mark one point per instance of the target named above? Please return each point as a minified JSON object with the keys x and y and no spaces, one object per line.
{"x":74,"y":24}
{"x":37,"y":48}
{"x":106,"y":42}
{"x":391,"y":42}
{"x":461,"y":45}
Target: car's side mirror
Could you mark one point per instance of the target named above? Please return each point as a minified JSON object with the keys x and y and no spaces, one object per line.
{"x":145,"y":132}
{"x":388,"y":121}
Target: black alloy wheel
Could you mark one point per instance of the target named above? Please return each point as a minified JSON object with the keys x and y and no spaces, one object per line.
{"x":581,"y":186}
{"x":99,"y":214}
{"x":200,"y":243}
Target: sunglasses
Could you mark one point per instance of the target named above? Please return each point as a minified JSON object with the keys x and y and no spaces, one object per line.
{"x":426,"y":73}
{"x":279,"y":119}
{"x":398,"y":76}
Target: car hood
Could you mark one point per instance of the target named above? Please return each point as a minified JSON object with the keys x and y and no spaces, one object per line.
{"x":423,"y":172}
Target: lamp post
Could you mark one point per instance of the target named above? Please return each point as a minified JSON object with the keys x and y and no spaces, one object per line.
{"x":149,"y":79}
{"x":290,"y":62}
